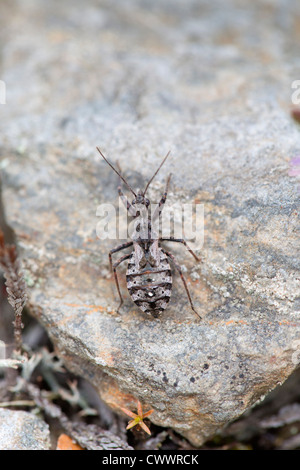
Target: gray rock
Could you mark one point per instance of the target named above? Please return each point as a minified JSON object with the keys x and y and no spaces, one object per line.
{"x":20,"y":430}
{"x":137,"y":79}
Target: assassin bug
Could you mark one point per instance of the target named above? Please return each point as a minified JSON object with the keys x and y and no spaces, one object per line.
{"x":149,"y":276}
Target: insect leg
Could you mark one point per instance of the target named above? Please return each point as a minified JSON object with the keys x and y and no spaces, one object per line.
{"x":181,"y":240}
{"x":115,"y":250}
{"x":159,"y":208}
{"x":115,"y":265}
{"x":177,"y":266}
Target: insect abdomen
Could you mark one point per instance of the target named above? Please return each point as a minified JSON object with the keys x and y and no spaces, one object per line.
{"x":150,"y":288}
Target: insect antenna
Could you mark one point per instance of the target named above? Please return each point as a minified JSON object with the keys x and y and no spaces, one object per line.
{"x":150,"y":181}
{"x":119,"y":174}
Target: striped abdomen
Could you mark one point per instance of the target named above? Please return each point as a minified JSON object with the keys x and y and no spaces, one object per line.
{"x":150,"y":287}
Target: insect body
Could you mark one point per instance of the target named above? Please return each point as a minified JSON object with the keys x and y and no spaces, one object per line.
{"x":150,"y":288}
{"x":149,"y":276}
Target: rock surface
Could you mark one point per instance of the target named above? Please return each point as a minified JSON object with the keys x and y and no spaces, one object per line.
{"x":137,"y":79}
{"x":20,"y":430}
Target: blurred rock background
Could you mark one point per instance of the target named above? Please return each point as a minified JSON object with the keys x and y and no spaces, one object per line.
{"x":214,"y":85}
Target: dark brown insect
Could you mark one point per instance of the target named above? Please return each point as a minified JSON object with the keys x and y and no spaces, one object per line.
{"x":149,"y":276}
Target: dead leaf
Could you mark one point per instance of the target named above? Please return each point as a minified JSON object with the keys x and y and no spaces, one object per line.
{"x":65,"y":442}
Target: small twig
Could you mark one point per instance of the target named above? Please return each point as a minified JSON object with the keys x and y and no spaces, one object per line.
{"x":12,"y":363}
{"x":8,"y":404}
